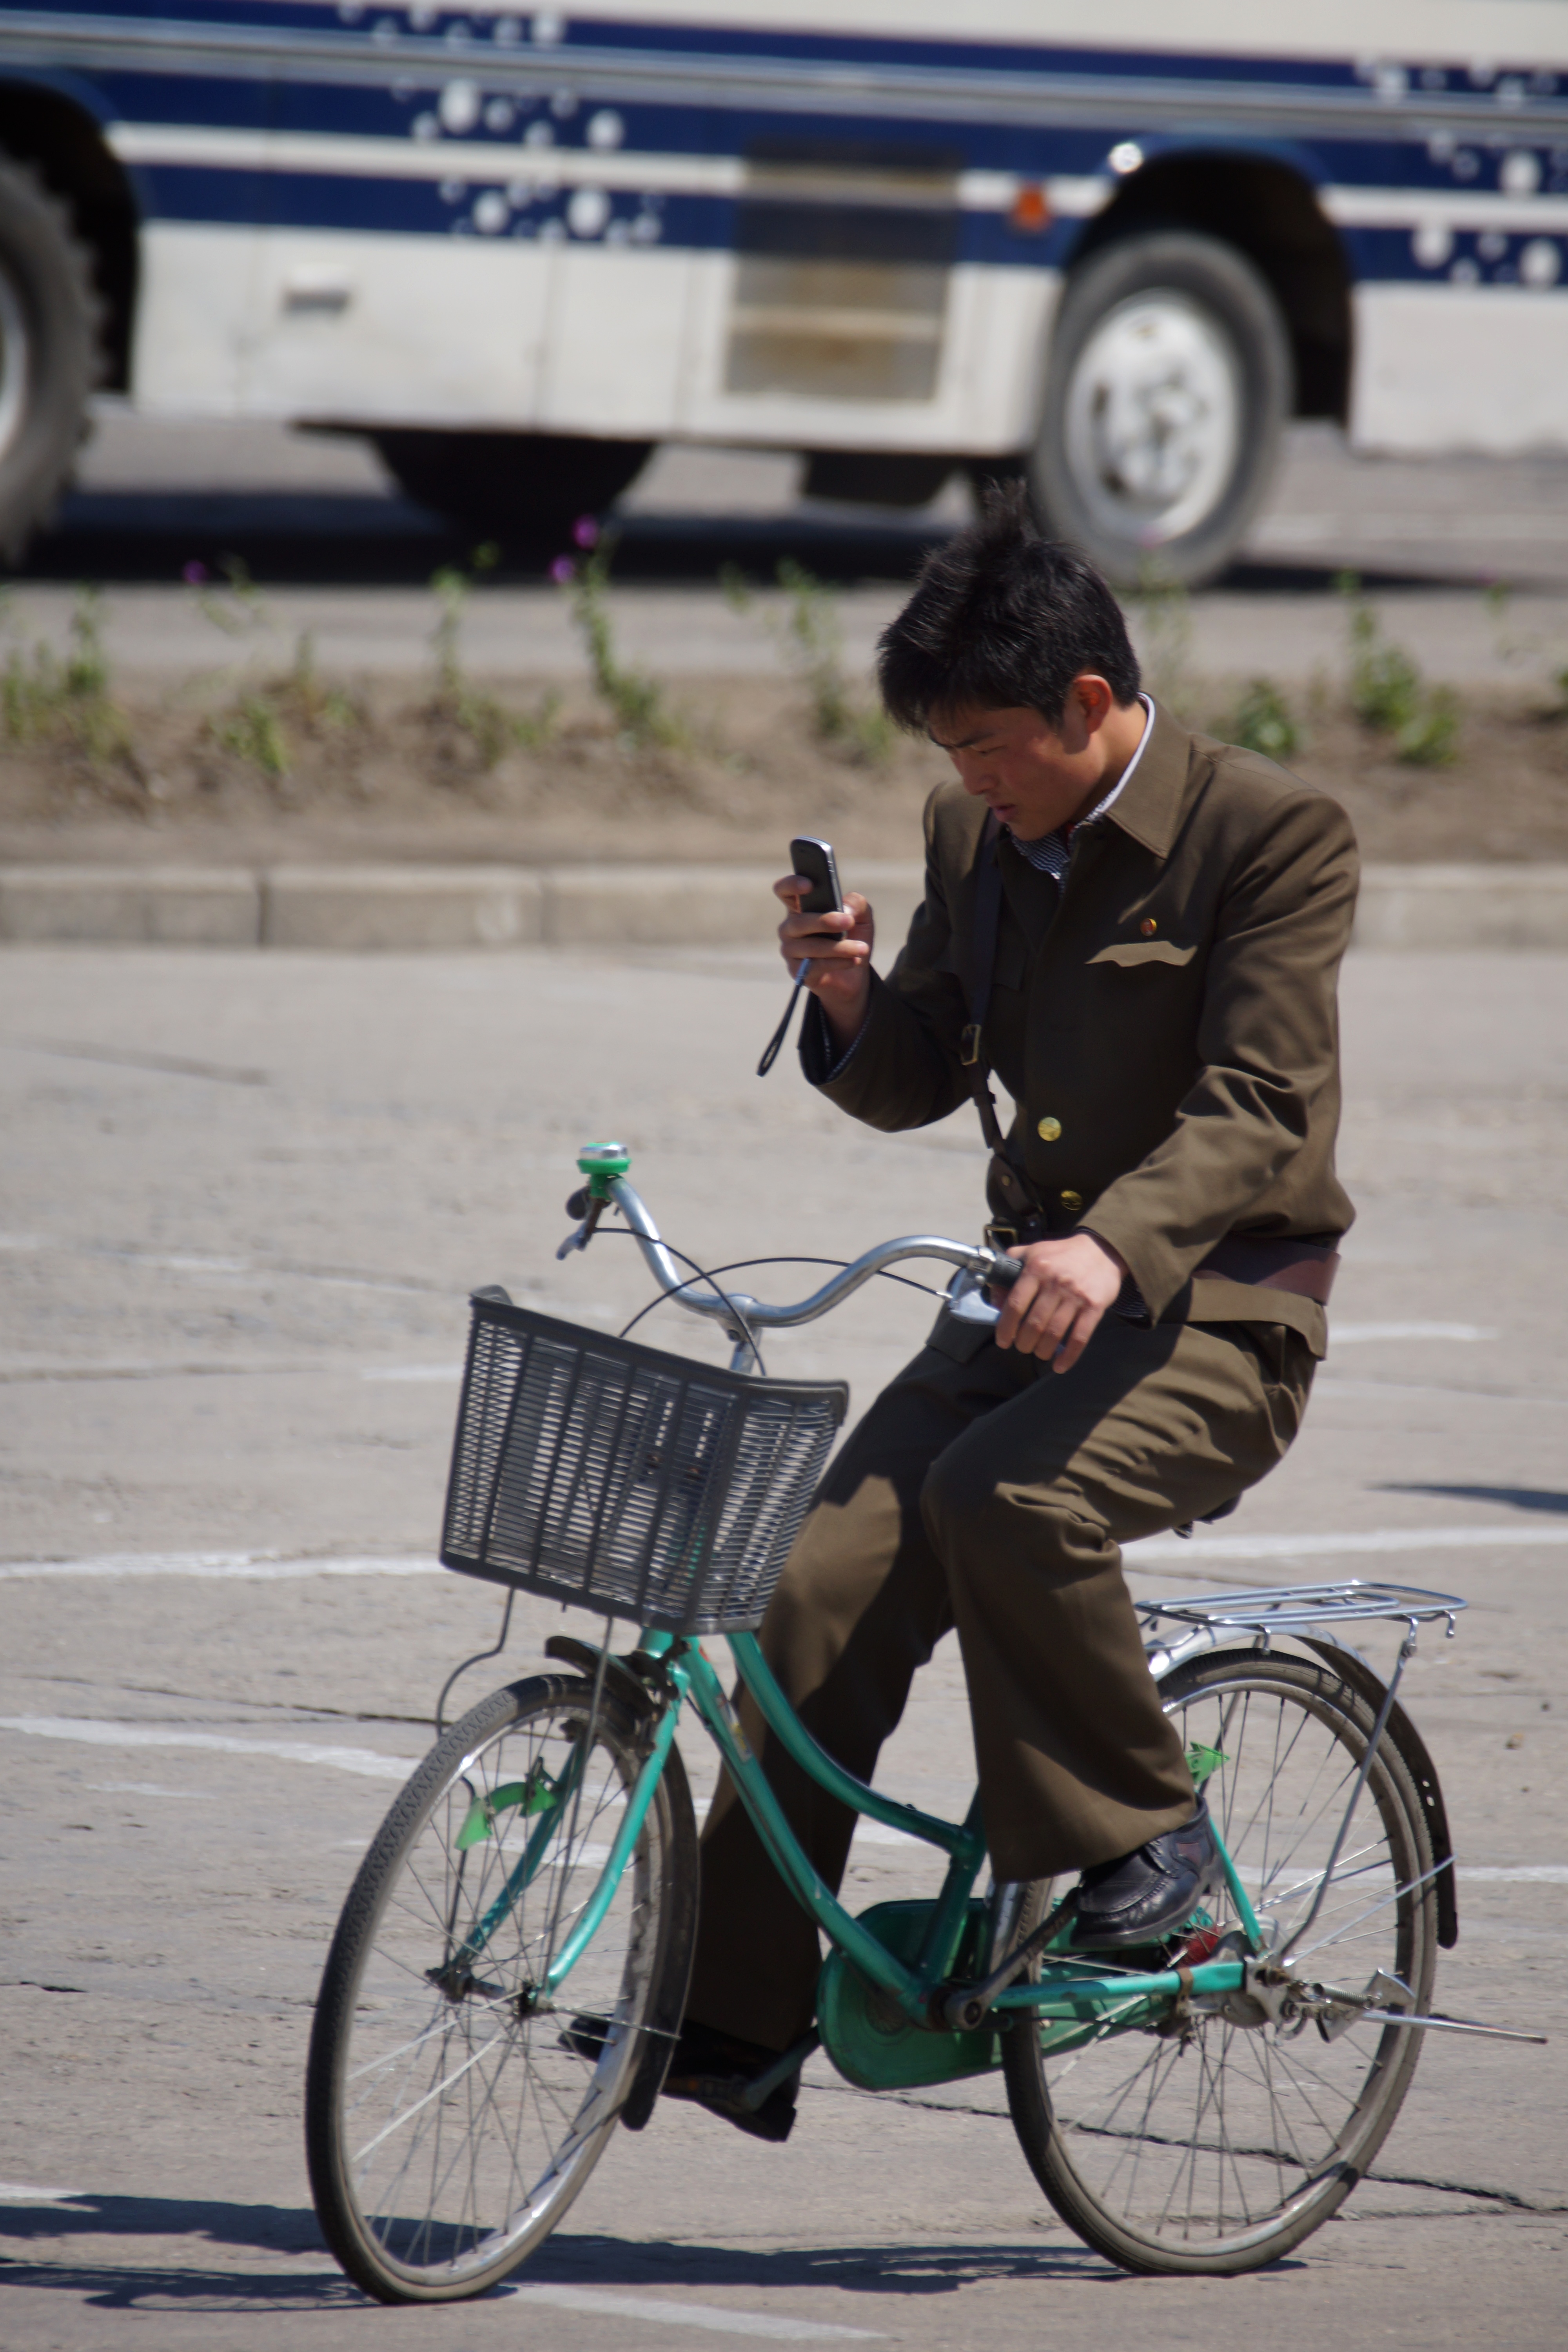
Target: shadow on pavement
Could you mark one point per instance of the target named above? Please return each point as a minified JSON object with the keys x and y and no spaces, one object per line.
{"x":927,"y":2267}
{"x":921,"y":2268}
{"x":284,"y":2229}
{"x":294,"y":538}
{"x":1518,"y":1498}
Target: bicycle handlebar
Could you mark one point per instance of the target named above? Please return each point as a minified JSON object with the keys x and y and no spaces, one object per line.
{"x":976,"y":1258}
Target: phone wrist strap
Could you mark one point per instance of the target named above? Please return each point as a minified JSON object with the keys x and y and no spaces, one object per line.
{"x":775,"y":1046}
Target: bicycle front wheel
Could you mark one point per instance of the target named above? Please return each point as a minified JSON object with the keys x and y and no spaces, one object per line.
{"x":450,"y":2117}
{"x":1193,"y":2142}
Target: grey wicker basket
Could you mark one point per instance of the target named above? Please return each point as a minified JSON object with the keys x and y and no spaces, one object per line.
{"x":630,"y":1482}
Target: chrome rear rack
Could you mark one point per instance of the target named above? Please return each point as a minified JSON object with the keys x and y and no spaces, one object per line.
{"x":1300,"y":1608}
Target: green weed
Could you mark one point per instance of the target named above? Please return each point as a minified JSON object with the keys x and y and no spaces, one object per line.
{"x":1264,"y":722}
{"x":1431,"y":738}
{"x":44,"y":699}
{"x":814,"y":644}
{"x":636,"y":702}
{"x":236,"y":609}
{"x":254,"y":733}
{"x":735,"y":588}
{"x":489,"y":727}
{"x":1163,"y":614}
{"x":1388,"y":693}
{"x":319,"y":707}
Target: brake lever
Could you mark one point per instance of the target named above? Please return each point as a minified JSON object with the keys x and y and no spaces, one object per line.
{"x":589,"y":1208}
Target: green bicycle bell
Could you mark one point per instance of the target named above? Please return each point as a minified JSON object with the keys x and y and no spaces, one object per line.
{"x":601,"y":1164}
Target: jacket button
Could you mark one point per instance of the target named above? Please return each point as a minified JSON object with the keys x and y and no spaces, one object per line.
{"x":1048,"y":1130}
{"x":1072,"y":1199}
{"x":1148,"y":927}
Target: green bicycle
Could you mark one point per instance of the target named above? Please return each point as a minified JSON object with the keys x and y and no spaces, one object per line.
{"x":511,"y":1968}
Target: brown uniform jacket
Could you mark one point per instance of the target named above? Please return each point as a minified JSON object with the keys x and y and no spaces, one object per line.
{"x":1168,"y":1021}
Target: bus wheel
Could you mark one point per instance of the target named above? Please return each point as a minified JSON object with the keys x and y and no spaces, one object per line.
{"x":1170,"y":378}
{"x":48,"y":352}
{"x":525,"y":486}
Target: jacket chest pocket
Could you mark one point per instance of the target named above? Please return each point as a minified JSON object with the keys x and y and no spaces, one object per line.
{"x":1136,"y":954}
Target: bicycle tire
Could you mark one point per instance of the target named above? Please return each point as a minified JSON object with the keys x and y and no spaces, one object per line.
{"x":1210,"y":2146}
{"x":448,"y":2123}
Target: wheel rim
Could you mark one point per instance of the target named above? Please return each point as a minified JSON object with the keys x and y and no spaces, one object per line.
{"x":1154,"y":417}
{"x":1208,"y":2141}
{"x":15,"y":357}
{"x":464,"y":2124}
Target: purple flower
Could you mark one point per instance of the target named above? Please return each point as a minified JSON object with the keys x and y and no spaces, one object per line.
{"x":585,"y":532}
{"x":563,"y":570}
{"x":194,"y":575}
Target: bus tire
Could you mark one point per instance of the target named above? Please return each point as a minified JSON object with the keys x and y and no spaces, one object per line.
{"x":527,"y":487}
{"x":1169,"y":382}
{"x":50,"y":352}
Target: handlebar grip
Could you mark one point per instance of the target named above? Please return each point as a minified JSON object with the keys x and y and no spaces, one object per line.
{"x":1004,"y":1271}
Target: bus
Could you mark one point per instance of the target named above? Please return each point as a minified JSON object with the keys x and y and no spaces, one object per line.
{"x":1114,"y":246}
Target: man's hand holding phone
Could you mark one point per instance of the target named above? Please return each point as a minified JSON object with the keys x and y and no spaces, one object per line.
{"x":834,"y":931}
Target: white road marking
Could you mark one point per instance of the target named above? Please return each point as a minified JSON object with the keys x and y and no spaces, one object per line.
{"x":16,"y":2192}
{"x":151,"y":1788}
{"x":259,"y":1567}
{"x":1514,"y":1400}
{"x":1349,"y":1335}
{"x":692,"y":2314}
{"x":1536,"y":1874}
{"x":94,"y":1734}
{"x":267,"y":1567}
{"x":1192,"y":1551}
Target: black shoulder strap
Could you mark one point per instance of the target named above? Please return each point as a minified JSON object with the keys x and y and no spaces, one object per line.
{"x":983,"y":938}
{"x":981,"y":971}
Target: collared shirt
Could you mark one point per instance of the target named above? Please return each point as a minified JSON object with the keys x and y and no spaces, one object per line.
{"x":1050,"y":854}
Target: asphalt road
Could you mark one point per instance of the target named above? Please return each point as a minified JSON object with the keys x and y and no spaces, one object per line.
{"x":326,"y":503}
{"x":244,"y":1198}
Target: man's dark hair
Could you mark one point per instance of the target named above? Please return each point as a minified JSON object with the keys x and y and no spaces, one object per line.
{"x":1002,"y":619}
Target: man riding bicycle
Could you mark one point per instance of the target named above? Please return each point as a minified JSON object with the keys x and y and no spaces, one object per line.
{"x":1138,"y":929}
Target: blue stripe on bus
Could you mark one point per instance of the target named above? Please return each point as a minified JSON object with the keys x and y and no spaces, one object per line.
{"x":349,"y":109}
{"x":351,"y":112}
{"x":325,"y":202}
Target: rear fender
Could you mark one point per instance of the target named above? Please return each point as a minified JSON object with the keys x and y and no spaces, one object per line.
{"x":1365,"y":1681}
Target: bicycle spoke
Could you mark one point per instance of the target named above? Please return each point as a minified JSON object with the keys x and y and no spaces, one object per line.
{"x":1209,"y":2132}
{"x":464,"y":2122}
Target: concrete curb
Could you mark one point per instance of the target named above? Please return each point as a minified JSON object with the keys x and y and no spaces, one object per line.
{"x":1463,"y":906}
{"x":402,"y":907}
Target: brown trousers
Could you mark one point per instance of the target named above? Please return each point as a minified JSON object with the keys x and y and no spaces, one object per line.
{"x":992,"y":1495}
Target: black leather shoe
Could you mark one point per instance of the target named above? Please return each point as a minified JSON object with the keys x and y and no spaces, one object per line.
{"x":717,"y":2071}
{"x":586,"y":2037}
{"x":1148,"y":1894}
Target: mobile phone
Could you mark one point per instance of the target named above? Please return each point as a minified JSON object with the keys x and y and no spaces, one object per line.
{"x":815,"y":859}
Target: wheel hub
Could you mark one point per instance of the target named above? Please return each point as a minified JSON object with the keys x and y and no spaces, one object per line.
{"x":1153,"y":416}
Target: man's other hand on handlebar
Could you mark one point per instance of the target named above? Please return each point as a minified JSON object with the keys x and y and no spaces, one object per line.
{"x":1053,"y":1307}
{"x":839,"y":973}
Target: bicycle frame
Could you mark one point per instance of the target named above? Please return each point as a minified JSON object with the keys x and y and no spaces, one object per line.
{"x":1067,"y":1992}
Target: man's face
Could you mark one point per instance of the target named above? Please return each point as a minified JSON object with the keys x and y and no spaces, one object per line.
{"x":1035,"y":776}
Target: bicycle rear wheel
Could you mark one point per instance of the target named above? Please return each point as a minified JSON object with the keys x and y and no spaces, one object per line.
{"x":1197,"y":2143}
{"x":449,"y":2123}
